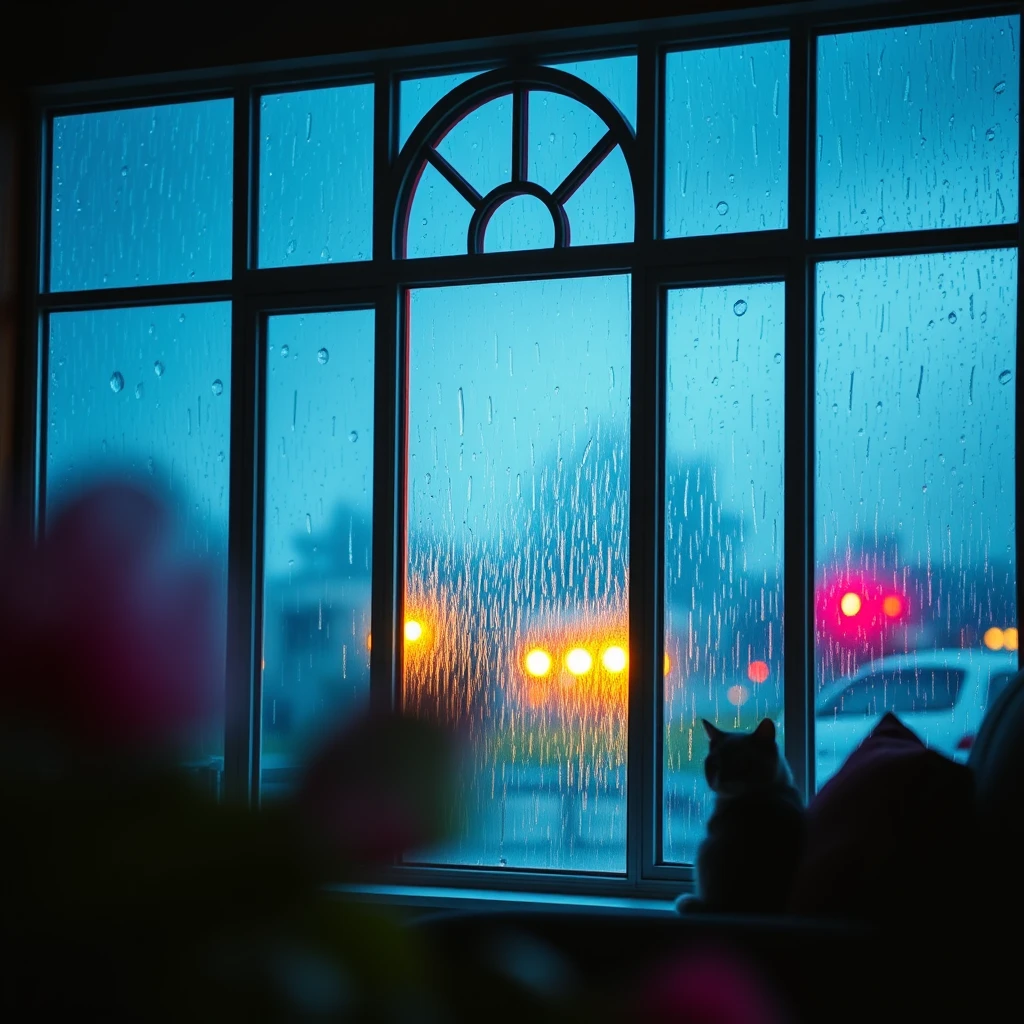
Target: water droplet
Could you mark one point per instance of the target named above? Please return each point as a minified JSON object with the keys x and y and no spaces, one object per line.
{"x":714,"y":380}
{"x":353,"y":436}
{"x":291,"y":247}
{"x":1004,"y":378}
{"x":878,"y":407}
{"x":739,"y":307}
{"x":284,"y":351}
{"x":722,"y":208}
{"x":732,"y":178}
{"x":309,"y":523}
{"x":983,"y":317}
{"x":881,"y":222}
{"x":990,"y":134}
{"x":151,"y":330}
{"x":551,"y":137}
{"x":924,"y":488}
{"x":952,"y":317}
{"x":139,"y":390}
{"x":502,"y":862}
{"x":835,"y":408}
{"x":124,"y":171}
{"x":963,"y":439}
{"x":841,"y":297}
{"x":428,"y":479}
{"x":777,"y":357}
{"x":151,"y":466}
{"x":220,"y":456}
{"x":423,"y":223}
{"x":322,"y":356}
{"x":181,"y":318}
{"x":158,"y":368}
{"x":999,"y":88}
{"x":116,"y":382}
{"x":217,"y":387}
{"x":325,"y":253}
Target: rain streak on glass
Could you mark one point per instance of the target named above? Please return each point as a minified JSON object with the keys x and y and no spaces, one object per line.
{"x":316,"y":176}
{"x":319,"y":498}
{"x":917,"y":127}
{"x":723,"y":534}
{"x":141,"y":196}
{"x":167,"y":434}
{"x":726,"y":139}
{"x":915,"y":533}
{"x":517,"y":560}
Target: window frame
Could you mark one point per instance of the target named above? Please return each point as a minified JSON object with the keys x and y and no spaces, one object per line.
{"x":655,"y":264}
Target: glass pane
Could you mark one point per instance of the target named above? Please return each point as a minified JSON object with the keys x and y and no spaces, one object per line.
{"x":522,"y":222}
{"x":438,"y":218}
{"x":479,"y":147}
{"x":562,"y":132}
{"x":141,"y":196}
{"x":613,"y":76}
{"x":726,"y":139}
{"x":319,"y":502}
{"x":518,"y":481}
{"x":723,"y":533}
{"x":601,"y":210}
{"x":316,"y":176}
{"x":145,"y":393}
{"x":417,"y":95}
{"x":917,"y":127}
{"x":915,"y":537}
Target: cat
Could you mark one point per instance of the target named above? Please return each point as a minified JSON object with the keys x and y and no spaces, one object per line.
{"x":755,"y":834}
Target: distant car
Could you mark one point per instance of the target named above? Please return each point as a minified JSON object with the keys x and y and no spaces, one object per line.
{"x":941,"y":695}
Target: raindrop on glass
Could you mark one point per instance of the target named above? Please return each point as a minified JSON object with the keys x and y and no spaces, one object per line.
{"x":325,"y":253}
{"x":284,"y":351}
{"x":116,"y":382}
{"x":952,"y":317}
{"x":722,"y":208}
{"x":714,"y":380}
{"x":990,"y":134}
{"x":778,"y":357}
{"x":309,"y":523}
{"x":1004,"y":378}
{"x":924,"y":488}
{"x":217,"y":387}
{"x":739,"y":307}
{"x":181,"y":318}
{"x":291,"y":247}
{"x":322,"y":356}
{"x":138,"y":390}
{"x":1000,"y":88}
{"x":963,"y":439}
{"x":124,"y":171}
{"x":220,"y":456}
{"x":158,"y":368}
{"x":878,"y":407}
{"x":353,"y":436}
{"x":835,"y":409}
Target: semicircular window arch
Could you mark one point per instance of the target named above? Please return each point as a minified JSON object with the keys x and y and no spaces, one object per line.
{"x":516,"y":158}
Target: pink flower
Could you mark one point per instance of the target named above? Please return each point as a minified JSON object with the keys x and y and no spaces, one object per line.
{"x":105,"y":634}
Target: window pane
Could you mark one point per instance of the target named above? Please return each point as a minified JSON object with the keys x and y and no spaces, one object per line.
{"x":917,"y":127}
{"x":723,"y":533}
{"x":146,"y":393}
{"x":522,"y":222}
{"x":479,"y":147}
{"x":726,"y":139}
{"x":601,"y":210}
{"x":438,"y":218}
{"x":518,"y":480}
{"x":914,"y":489}
{"x":316,"y":176}
{"x":417,"y":95}
{"x":613,"y":76}
{"x":319,"y":501}
{"x":141,"y":196}
{"x":562,"y":133}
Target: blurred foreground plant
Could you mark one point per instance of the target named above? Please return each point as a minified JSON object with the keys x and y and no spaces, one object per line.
{"x":127,"y":889}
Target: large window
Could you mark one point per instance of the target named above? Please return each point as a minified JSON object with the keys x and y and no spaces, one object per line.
{"x":566,"y":392}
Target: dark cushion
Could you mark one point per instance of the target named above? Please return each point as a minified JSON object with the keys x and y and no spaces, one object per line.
{"x":885,"y":831}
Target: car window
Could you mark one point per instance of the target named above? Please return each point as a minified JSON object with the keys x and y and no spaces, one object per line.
{"x":996,"y":685}
{"x":899,"y":690}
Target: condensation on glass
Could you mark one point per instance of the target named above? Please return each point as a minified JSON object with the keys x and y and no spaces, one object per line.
{"x":562,"y":132}
{"x":726,"y":139}
{"x":516,"y":586}
{"x":914,"y":491}
{"x":317,"y":533}
{"x":918,"y":127}
{"x":145,"y":394}
{"x":141,"y":196}
{"x":723,"y":533}
{"x":316,"y":176}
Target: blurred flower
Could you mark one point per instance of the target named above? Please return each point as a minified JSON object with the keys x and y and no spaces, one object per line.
{"x":108,"y":637}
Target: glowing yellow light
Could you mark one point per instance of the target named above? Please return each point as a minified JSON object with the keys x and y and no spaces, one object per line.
{"x":892,"y":606}
{"x":413,"y":630}
{"x":368,"y":644}
{"x":738,"y":695}
{"x":850,"y":604}
{"x":994,"y":639}
{"x":538,"y":662}
{"x":614,"y":659}
{"x":1010,"y":638}
{"x":578,"y":661}
{"x":668,"y":664}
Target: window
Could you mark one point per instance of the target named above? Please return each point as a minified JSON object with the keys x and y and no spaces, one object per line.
{"x":996,"y":685}
{"x":568,"y":391}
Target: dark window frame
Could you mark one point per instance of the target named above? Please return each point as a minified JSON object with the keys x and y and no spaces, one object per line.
{"x":655,"y":265}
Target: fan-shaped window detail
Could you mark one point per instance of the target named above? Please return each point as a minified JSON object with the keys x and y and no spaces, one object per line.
{"x":507,"y":149}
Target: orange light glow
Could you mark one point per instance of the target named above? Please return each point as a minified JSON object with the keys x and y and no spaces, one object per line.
{"x":413,"y":630}
{"x":757,"y":671}
{"x":738,"y":695}
{"x":1010,"y":638}
{"x":668,"y":664}
{"x":994,"y":639}
{"x":850,"y":604}
{"x":538,"y":662}
{"x":892,"y":606}
{"x":369,"y":645}
{"x":578,"y":661}
{"x":614,"y":659}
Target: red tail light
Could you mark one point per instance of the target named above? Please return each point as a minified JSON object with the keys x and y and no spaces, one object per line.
{"x":966,"y":742}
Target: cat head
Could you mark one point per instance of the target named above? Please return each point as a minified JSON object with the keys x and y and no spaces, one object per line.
{"x":739,"y":762}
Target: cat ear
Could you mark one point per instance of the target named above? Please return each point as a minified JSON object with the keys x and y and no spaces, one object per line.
{"x":713,"y":731}
{"x":765,"y":730}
